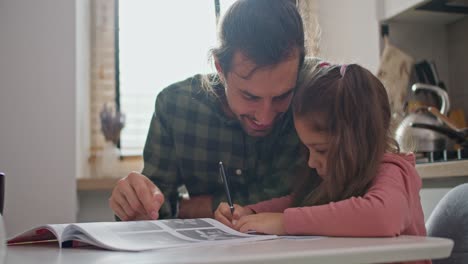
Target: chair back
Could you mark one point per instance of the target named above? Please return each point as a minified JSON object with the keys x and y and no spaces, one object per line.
{"x":450,"y":220}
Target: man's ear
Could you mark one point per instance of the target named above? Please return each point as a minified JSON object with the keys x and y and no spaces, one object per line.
{"x":219,"y":69}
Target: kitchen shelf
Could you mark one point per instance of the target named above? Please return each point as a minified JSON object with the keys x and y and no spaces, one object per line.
{"x":96,"y":184}
{"x":96,"y":181}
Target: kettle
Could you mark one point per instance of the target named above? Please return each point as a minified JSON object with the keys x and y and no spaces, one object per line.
{"x":459,"y":135}
{"x":420,"y":139}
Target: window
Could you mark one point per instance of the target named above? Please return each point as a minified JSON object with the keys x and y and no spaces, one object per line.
{"x":159,"y":43}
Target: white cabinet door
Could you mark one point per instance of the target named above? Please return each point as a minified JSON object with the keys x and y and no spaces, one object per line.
{"x":392,"y":8}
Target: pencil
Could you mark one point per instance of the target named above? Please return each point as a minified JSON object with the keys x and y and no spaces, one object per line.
{"x":226,"y":186}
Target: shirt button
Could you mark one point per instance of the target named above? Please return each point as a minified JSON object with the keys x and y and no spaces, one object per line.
{"x":238,"y":172}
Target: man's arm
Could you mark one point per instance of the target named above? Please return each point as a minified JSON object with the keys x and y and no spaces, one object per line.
{"x":136,"y":197}
{"x":159,"y":156}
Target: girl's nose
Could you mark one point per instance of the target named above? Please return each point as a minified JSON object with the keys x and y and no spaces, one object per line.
{"x":313,"y":163}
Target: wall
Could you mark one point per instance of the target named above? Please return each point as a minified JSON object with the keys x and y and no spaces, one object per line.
{"x":423,"y":42}
{"x":93,"y":206}
{"x":83,"y":82}
{"x":350,"y":32}
{"x":458,"y":57}
{"x":42,"y":77}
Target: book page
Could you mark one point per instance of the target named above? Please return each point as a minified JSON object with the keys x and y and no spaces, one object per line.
{"x":146,"y":235}
{"x":44,"y":233}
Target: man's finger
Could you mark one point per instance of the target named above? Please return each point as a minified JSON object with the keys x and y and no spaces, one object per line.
{"x":156,"y":198}
{"x":131,"y":195}
{"x":142,"y":195}
{"x":118,"y":210}
{"x":122,"y":201}
{"x":119,"y":192}
{"x":143,"y":189}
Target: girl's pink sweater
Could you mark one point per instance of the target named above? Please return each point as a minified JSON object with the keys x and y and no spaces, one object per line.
{"x":391,"y":207}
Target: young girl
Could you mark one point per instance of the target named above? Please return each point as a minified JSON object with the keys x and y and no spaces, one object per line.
{"x":366,"y":188}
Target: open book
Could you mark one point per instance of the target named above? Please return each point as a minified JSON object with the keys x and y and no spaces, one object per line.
{"x":137,"y":235}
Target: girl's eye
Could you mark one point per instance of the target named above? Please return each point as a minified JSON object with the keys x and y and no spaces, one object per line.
{"x":322,"y":152}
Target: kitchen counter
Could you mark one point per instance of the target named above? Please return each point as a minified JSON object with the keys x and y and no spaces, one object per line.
{"x":437,"y":170}
{"x":427,"y":171}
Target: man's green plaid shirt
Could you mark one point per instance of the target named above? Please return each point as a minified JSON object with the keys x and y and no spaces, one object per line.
{"x":190,"y":134}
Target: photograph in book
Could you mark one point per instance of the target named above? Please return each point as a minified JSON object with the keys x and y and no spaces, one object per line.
{"x":136,"y":235}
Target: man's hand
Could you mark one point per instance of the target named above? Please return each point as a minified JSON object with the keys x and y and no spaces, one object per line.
{"x":266,"y":223}
{"x":135,"y":197}
{"x":223,"y":214}
{"x":196,"y":207}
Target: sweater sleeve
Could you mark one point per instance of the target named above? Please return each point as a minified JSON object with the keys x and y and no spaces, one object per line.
{"x":275,"y":205}
{"x":383,"y":211}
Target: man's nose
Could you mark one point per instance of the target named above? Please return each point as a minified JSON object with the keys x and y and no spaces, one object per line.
{"x":266,"y":114}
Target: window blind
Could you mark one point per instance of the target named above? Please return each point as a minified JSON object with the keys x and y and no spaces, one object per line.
{"x":145,"y":22}
{"x":160,"y":42}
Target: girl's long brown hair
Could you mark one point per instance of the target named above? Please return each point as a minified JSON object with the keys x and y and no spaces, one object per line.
{"x":354,"y":110}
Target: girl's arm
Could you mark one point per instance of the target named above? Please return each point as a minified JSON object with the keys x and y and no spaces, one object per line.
{"x":385,"y":210}
{"x":275,"y":205}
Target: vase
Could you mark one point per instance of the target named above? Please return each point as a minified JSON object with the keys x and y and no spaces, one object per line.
{"x":109,"y":160}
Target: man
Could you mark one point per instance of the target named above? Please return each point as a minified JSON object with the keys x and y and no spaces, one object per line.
{"x":239,"y":116}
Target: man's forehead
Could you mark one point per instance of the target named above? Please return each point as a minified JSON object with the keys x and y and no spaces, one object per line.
{"x":242,"y":66}
{"x":270,"y":81}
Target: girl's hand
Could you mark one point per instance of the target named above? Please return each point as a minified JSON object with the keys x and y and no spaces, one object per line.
{"x":266,"y":223}
{"x":223,"y":214}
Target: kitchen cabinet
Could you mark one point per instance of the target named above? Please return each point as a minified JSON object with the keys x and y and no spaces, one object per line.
{"x":392,"y":8}
{"x":408,"y":11}
{"x":439,"y":37}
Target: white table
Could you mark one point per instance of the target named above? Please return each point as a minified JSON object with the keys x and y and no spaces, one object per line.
{"x":324,"y":250}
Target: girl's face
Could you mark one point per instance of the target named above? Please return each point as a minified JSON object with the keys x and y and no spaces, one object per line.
{"x":317,"y":143}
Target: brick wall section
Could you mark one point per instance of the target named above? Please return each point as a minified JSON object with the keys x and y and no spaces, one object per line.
{"x":102,"y":67}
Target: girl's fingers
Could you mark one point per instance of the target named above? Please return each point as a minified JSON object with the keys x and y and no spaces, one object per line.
{"x":238,"y":212}
{"x":247,"y":226}
{"x":223,"y":214}
{"x":221,"y":218}
{"x":241,"y":222}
